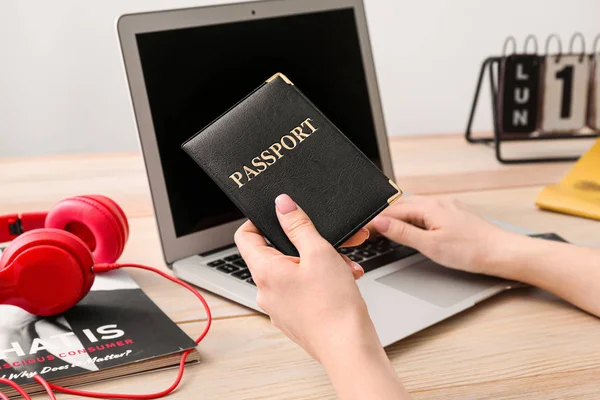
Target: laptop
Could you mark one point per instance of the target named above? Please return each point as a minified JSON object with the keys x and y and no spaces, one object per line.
{"x":185,"y":67}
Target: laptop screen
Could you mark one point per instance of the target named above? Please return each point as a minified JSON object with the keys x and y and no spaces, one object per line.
{"x":193,"y":75}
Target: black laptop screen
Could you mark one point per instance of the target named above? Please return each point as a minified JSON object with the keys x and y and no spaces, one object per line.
{"x":193,"y":75}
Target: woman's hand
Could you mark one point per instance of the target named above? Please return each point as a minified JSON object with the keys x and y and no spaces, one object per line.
{"x":315,"y":301}
{"x":313,"y":298}
{"x":445,"y":231}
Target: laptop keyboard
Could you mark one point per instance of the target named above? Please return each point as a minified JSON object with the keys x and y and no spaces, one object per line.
{"x":233,"y":265}
{"x":375,"y":252}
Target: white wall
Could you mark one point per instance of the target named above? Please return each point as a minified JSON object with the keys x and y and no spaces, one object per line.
{"x":63,"y":90}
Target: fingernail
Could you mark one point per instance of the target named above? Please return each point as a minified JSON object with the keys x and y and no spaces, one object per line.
{"x":381,"y":223}
{"x":365,"y":230}
{"x":356,"y":267}
{"x":285,"y":204}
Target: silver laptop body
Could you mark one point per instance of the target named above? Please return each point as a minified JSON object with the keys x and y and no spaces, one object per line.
{"x":403,"y":295}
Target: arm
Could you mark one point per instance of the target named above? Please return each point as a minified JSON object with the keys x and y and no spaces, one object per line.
{"x":568,"y":271}
{"x":359,"y":368}
{"x":445,"y":231}
{"x":315,"y":301}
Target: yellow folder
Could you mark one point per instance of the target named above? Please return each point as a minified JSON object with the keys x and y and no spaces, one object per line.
{"x":579,"y":192}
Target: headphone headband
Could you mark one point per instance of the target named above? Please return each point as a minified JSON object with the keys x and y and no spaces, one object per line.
{"x":12,"y":225}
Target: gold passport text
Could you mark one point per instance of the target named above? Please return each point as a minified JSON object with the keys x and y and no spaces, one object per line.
{"x":271,"y":155}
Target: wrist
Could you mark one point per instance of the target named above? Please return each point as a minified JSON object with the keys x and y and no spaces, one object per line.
{"x":508,"y":256}
{"x":353,"y":339}
{"x":359,"y":367}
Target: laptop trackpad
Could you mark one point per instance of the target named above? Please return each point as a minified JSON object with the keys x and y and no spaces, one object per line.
{"x":438,"y":285}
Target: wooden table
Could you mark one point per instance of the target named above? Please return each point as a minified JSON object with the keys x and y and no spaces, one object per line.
{"x":521,"y":344}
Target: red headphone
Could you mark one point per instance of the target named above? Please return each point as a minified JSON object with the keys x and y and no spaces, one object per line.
{"x":51,"y":264}
{"x":48,"y":268}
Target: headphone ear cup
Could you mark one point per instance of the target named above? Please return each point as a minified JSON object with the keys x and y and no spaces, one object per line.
{"x":52,"y":270}
{"x":116,"y":211}
{"x":97,"y":220}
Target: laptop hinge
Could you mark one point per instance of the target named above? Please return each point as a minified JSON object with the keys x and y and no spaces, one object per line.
{"x":217,"y":250}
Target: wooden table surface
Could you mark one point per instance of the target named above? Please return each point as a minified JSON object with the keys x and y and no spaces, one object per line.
{"x":520,"y":344}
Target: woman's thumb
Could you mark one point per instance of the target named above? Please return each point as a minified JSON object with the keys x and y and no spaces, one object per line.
{"x":296,"y":224}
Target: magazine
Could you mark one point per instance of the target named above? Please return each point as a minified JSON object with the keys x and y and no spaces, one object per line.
{"x":115,"y":330}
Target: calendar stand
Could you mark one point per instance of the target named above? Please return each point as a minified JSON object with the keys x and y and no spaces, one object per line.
{"x":492,"y":64}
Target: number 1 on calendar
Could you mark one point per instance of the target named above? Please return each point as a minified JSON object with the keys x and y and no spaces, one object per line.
{"x":565,"y":93}
{"x":566,"y":75}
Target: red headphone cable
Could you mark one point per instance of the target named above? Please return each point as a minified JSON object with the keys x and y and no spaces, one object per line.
{"x":49,"y":387}
{"x":18,"y":388}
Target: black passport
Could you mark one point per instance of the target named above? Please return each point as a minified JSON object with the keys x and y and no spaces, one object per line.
{"x":276,"y":141}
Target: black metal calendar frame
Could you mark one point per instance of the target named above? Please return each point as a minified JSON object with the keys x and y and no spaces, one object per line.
{"x":492,"y":64}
